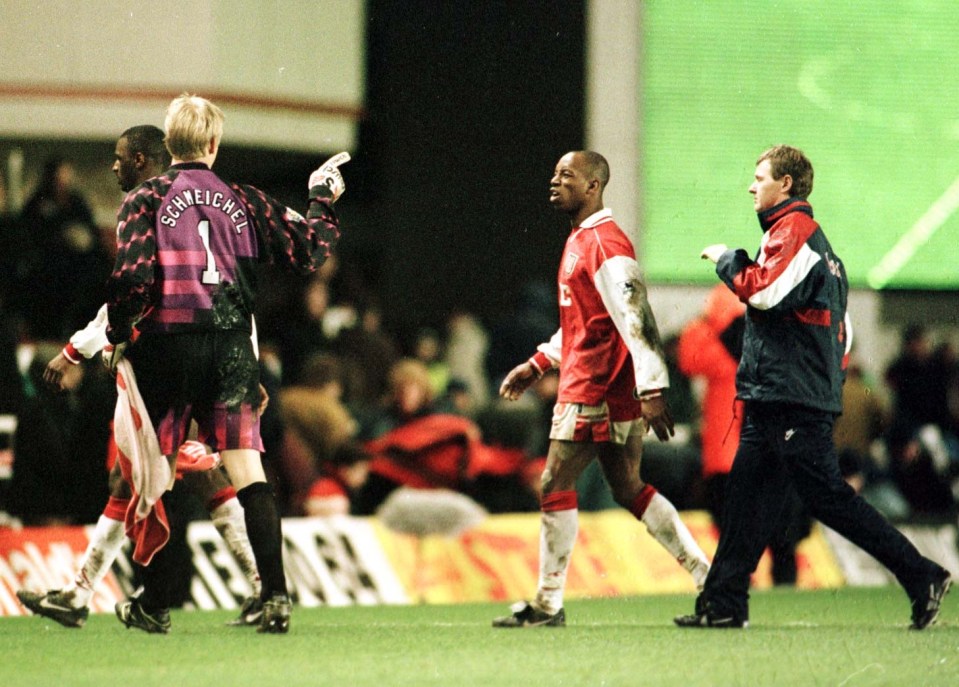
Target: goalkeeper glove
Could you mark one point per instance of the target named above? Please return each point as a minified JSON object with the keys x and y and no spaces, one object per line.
{"x":329,"y":176}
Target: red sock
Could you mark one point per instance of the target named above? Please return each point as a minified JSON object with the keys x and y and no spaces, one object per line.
{"x":641,"y":502}
{"x":559,"y":500}
{"x":116,"y":508}
{"x":221,"y":497}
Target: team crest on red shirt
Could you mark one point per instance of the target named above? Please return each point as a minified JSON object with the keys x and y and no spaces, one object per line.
{"x":571,"y":259}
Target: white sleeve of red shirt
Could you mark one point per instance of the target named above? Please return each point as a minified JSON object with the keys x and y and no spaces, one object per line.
{"x":548,"y":355}
{"x":90,"y":340}
{"x":617,"y":281}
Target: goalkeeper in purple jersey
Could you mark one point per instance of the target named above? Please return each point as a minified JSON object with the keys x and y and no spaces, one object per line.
{"x":186,"y":275}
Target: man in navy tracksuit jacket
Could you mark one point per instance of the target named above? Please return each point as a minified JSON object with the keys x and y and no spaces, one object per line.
{"x":790,"y":377}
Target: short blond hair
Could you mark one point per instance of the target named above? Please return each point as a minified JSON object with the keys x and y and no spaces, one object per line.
{"x":191,"y":123}
{"x":411,"y":371}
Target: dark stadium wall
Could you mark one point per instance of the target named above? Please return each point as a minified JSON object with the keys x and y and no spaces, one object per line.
{"x":469,"y":105}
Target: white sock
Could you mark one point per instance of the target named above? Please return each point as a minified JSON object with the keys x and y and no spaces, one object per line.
{"x":556,"y":538}
{"x":663,"y":523}
{"x":228,"y":518}
{"x":105,"y":543}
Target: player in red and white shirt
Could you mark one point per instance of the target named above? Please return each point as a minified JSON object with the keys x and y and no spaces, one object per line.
{"x":612,"y":375}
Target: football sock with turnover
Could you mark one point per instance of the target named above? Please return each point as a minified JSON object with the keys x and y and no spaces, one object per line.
{"x":229,"y":520}
{"x":105,"y":544}
{"x":662,"y":521}
{"x":557,"y":535}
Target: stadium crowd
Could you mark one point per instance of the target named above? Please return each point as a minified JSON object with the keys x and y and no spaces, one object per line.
{"x":357,"y":410}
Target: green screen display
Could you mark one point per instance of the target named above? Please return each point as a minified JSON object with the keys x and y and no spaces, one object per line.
{"x":869,"y":91}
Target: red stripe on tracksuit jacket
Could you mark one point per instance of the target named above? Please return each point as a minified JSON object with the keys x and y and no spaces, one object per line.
{"x":796,"y":323}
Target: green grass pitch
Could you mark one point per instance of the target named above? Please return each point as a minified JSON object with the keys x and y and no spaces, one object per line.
{"x":850,"y":637}
{"x":868,"y":91}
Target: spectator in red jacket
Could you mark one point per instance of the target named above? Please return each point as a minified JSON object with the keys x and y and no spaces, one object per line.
{"x":709,"y":349}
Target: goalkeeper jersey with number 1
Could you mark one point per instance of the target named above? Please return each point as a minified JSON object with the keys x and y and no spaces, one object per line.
{"x":187,"y":247}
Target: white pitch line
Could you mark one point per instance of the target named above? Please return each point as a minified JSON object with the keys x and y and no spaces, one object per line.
{"x":919,"y":233}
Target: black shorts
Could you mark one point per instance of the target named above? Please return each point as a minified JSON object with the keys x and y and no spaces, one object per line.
{"x":210,"y":377}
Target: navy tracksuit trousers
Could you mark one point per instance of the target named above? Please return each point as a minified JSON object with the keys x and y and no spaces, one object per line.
{"x":782,"y":443}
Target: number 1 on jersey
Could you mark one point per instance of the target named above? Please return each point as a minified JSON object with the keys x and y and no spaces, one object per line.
{"x":210,"y":275}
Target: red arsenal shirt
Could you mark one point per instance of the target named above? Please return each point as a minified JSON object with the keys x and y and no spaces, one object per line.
{"x":608,"y":346}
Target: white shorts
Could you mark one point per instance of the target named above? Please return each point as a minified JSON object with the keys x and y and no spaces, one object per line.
{"x":579,"y":422}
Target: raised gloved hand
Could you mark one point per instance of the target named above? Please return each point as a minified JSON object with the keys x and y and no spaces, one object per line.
{"x":713,"y":252}
{"x":112,"y":355}
{"x":328,"y":175}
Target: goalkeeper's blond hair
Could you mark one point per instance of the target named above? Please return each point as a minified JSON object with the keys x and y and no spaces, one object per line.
{"x":191,"y":123}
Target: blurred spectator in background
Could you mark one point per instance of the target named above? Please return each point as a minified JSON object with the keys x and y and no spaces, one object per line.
{"x":863,"y":418}
{"x":680,"y":396}
{"x":911,"y":379}
{"x":519,"y":444}
{"x":367,"y":352}
{"x":924,"y":460}
{"x":60,"y":457}
{"x":532,"y":320}
{"x":418,"y":447}
{"x":303,"y":333}
{"x":457,"y":399}
{"x":428,"y":348}
{"x":410,"y":396}
{"x":709,"y":349}
{"x":466,"y":345}
{"x":11,"y":398}
{"x":858,"y":434}
{"x":64,"y":256}
{"x":11,"y":382}
{"x":946,"y":366}
{"x":407,"y":447}
{"x":13,"y":240}
{"x":320,"y":464}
